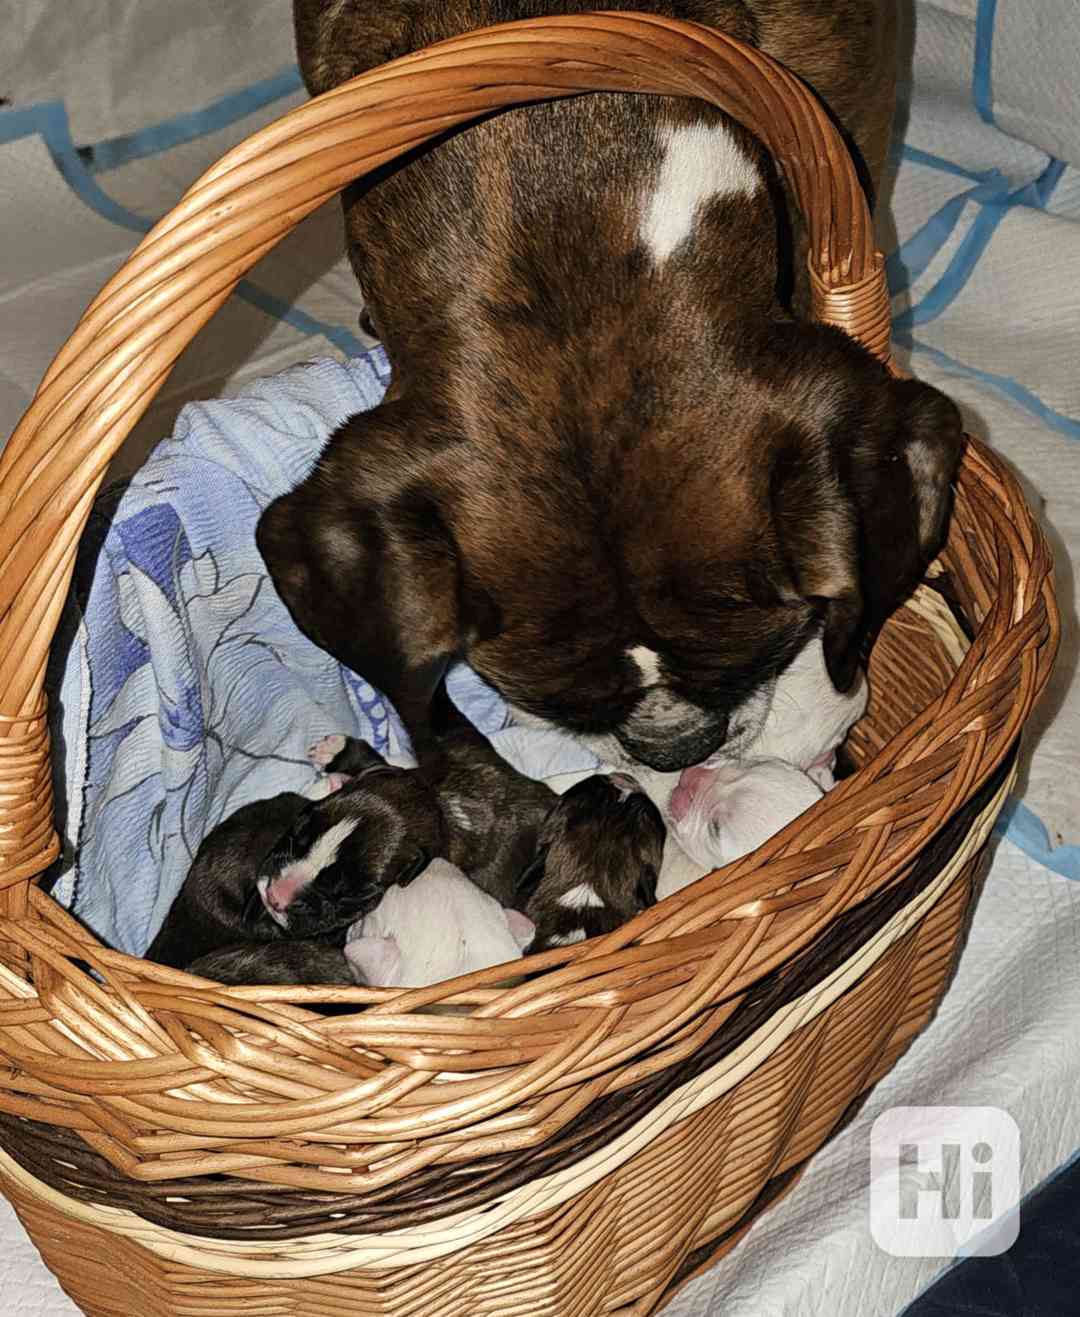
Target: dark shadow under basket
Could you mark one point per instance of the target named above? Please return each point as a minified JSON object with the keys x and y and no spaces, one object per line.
{"x":578,"y":1143}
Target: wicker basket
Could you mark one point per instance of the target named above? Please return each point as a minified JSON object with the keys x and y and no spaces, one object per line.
{"x":582,"y":1142}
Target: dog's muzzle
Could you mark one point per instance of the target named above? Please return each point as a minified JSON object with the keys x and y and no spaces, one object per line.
{"x":668,"y":750}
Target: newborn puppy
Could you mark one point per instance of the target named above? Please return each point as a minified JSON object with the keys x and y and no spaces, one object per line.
{"x":489,"y":812}
{"x":439,"y":927}
{"x":214,"y":906}
{"x":598,"y":855}
{"x":381,"y":827}
{"x":316,"y":865}
{"x":721,"y":813}
{"x":721,"y":810}
{"x":275,"y":962}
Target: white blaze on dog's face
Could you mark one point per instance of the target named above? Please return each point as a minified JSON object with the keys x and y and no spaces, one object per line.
{"x":278,"y":892}
{"x":722,"y":813}
{"x":439,"y":927}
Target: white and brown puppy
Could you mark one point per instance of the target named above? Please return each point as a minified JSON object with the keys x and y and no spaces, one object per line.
{"x":597,"y":861}
{"x":617,"y":470}
{"x":289,"y":866}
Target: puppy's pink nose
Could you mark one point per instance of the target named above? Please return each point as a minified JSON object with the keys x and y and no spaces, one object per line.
{"x":279,"y":893}
{"x":691,"y":781}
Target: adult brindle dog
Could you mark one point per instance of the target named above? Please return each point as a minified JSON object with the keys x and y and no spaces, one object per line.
{"x":618,"y":471}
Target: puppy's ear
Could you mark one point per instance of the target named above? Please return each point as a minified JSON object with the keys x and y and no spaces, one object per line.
{"x":354,"y":757}
{"x":375,"y":960}
{"x":530,"y":878}
{"x":365,"y":559}
{"x":411,"y":867}
{"x":645,"y":892}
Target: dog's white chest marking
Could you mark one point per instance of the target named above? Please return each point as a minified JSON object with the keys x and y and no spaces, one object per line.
{"x":577,"y":898}
{"x":700,"y":163}
{"x":648,"y":664}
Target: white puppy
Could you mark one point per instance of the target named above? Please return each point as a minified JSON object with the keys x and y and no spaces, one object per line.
{"x":719,"y":814}
{"x":440,"y":926}
{"x":724,"y":808}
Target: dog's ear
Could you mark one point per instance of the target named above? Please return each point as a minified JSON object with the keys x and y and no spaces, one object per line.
{"x":900,"y":478}
{"x":862,"y":509}
{"x":817,"y":529}
{"x":367,"y":564}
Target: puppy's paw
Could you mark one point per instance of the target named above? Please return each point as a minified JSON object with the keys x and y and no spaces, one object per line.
{"x":324,"y":752}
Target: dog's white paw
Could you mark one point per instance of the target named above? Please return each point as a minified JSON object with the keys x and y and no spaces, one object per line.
{"x":326,"y":751}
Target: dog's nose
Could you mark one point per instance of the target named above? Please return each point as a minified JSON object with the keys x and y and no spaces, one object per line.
{"x":668,"y":753}
{"x":276,"y":896}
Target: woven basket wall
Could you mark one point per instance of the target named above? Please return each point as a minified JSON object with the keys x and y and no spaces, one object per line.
{"x":581,"y":1142}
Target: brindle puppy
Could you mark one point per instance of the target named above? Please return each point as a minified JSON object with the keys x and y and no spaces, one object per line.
{"x":333,"y":857}
{"x":599,"y":852}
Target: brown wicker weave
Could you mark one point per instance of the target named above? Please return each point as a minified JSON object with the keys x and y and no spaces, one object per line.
{"x":578,"y":1143}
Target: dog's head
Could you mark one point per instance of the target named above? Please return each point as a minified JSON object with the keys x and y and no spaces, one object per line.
{"x":381,"y":828}
{"x":804,"y":498}
{"x":597,"y":860}
{"x":642,"y":570}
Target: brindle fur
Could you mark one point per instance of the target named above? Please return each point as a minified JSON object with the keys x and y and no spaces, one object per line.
{"x":583,"y":451}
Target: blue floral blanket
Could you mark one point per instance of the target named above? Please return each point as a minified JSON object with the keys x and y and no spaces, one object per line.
{"x":183,"y":689}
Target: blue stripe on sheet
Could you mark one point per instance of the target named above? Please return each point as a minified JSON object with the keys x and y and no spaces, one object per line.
{"x":1018,"y":393}
{"x":982,"y":80}
{"x":960,"y":268}
{"x":913,"y":257}
{"x":1023,"y":827}
{"x":99,"y":157}
{"x":996,"y":204}
{"x":49,"y":120}
{"x":917,"y":156}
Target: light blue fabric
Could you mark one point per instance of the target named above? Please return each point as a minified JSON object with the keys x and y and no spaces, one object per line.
{"x":187,"y":690}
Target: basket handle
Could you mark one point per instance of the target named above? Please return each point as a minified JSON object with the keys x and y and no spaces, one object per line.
{"x":123,"y":348}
